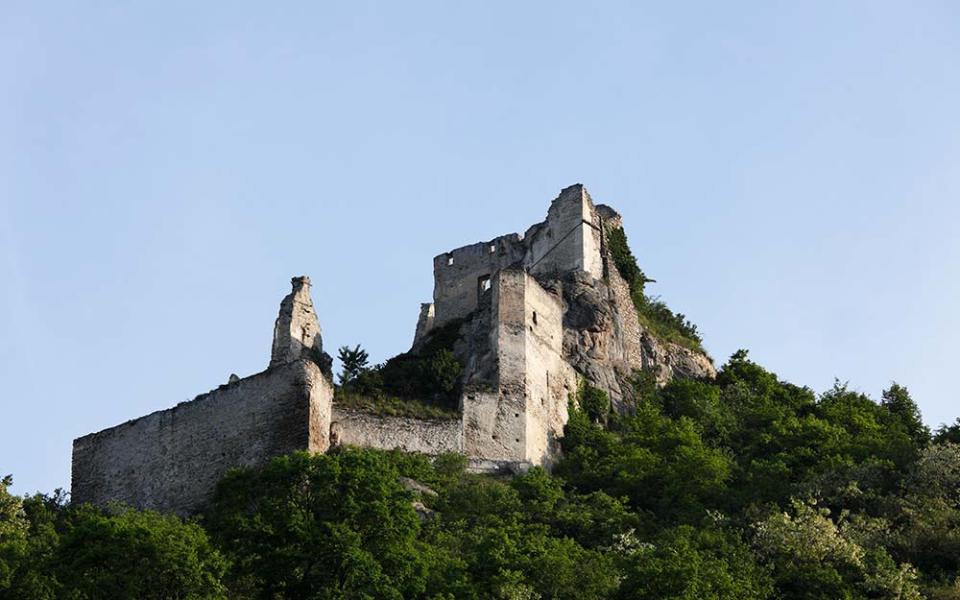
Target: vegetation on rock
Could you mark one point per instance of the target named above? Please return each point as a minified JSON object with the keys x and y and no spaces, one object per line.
{"x":654,"y":314}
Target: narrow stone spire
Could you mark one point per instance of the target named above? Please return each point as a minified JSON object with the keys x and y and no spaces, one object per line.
{"x":296,"y":333}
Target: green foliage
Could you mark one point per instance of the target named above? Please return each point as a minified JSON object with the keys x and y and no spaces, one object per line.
{"x":353,"y":362}
{"x":341,"y":526}
{"x":79,"y":552}
{"x":686,"y":563}
{"x":379,"y":403}
{"x":307,"y":526}
{"x":905,"y":414}
{"x":625,"y":261}
{"x":422,"y":383}
{"x":813,"y":557}
{"x":746,"y":445}
{"x":746,"y":487}
{"x":13,"y":532}
{"x":949,"y":433}
{"x":662,"y":465}
{"x":654,"y":314}
{"x":595,"y":402}
{"x":323,"y":360}
{"x":134,"y":554}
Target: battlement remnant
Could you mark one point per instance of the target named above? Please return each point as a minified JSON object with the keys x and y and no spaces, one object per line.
{"x":540,"y":312}
{"x":296,"y":333}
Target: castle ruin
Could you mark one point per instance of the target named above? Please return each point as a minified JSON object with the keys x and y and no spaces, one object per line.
{"x":535,"y":314}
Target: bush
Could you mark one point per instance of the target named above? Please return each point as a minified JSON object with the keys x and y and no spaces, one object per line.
{"x":427,"y":379}
{"x":595,"y":402}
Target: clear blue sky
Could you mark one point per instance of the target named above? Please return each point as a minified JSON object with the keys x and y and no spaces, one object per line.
{"x":788,"y":172}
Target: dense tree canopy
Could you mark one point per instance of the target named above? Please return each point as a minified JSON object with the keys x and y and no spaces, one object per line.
{"x":745,"y":487}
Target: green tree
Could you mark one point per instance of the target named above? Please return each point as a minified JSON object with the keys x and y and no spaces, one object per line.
{"x":499,"y":538}
{"x":353,"y":362}
{"x":80,"y":552}
{"x":595,"y":403}
{"x":138,"y":554}
{"x":441,"y":372}
{"x":329,"y":526}
{"x":13,"y":533}
{"x":905,"y":414}
{"x":687,"y":563}
{"x":814,"y":558}
{"x":660,"y":464}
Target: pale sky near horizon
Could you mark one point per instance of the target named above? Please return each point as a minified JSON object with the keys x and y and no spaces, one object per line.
{"x":789,"y":173}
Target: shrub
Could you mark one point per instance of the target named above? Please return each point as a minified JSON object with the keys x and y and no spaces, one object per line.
{"x":427,"y":380}
{"x":595,"y":402}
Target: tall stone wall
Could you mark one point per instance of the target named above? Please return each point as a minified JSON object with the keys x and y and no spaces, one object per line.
{"x":494,"y":419}
{"x":549,"y":379}
{"x":627,"y":330}
{"x":522,"y":417}
{"x":356,"y":428}
{"x":171,"y":460}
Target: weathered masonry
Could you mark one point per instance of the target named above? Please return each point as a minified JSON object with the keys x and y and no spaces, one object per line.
{"x":537,"y":314}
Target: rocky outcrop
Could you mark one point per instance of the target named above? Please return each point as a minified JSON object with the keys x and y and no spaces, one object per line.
{"x":593,"y":335}
{"x":668,"y":360}
{"x":605,"y":342}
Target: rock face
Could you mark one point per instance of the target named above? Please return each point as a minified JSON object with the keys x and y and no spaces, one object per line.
{"x":605,"y":341}
{"x":296,"y":333}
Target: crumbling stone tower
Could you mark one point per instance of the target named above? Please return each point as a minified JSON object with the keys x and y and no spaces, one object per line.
{"x":535,"y":314}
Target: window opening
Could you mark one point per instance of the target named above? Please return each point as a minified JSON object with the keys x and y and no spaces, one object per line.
{"x":483,"y":284}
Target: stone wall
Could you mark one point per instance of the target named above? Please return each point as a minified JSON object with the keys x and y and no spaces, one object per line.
{"x":493,"y":419}
{"x":458,"y":274}
{"x":569,"y":240}
{"x":549,"y":379}
{"x":521,"y":417}
{"x":627,"y":324}
{"x":171,"y":460}
{"x":356,"y":428}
